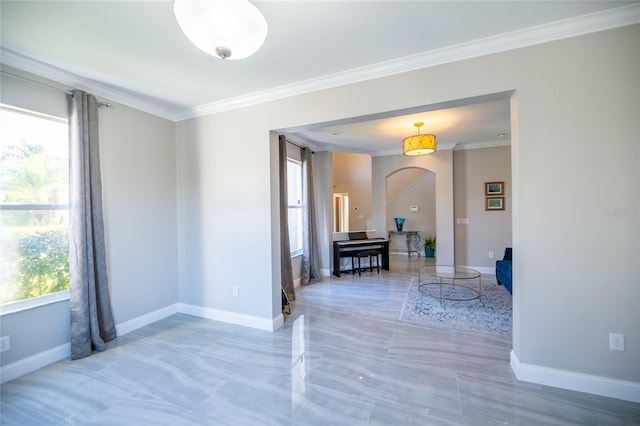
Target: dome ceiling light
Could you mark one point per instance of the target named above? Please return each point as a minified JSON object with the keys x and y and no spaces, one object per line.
{"x":226,"y":29}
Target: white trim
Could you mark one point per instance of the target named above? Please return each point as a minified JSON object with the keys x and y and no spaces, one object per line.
{"x":580,"y":25}
{"x":484,"y":270}
{"x":34,"y":362}
{"x":478,"y":145}
{"x":585,"y":24}
{"x":571,"y":380}
{"x":297,"y":282}
{"x":144,"y":320}
{"x":67,"y":78}
{"x":33,"y":302}
{"x":232,"y":317}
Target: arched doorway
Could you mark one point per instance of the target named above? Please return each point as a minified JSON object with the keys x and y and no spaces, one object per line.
{"x":411,"y":194}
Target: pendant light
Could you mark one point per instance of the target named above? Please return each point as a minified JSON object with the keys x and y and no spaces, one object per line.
{"x":419,"y":144}
{"x":226,"y":29}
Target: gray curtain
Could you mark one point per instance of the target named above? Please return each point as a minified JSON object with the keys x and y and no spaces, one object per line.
{"x":285,"y":252}
{"x":310,"y":250}
{"x":92,"y":322}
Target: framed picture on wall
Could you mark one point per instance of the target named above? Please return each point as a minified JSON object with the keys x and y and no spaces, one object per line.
{"x":494,"y":203}
{"x":494,"y":188}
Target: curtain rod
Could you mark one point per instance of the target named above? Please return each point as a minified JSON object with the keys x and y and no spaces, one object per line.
{"x":99,"y":103}
{"x":298,"y":145}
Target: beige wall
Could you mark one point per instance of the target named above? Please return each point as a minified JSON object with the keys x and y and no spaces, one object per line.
{"x":487,"y":231}
{"x":440,"y":164}
{"x":419,"y":191}
{"x":352,"y":175}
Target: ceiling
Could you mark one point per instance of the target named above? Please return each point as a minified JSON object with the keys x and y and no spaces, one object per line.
{"x":133,"y":52}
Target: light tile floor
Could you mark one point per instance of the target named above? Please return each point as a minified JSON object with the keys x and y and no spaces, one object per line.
{"x":342,"y":358}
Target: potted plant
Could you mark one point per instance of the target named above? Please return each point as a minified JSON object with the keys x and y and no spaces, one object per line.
{"x":429,"y":246}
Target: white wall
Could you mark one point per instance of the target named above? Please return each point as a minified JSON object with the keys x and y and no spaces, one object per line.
{"x":575,"y":161}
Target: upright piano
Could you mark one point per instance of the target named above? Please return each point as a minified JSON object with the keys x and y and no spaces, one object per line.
{"x":346,"y":248}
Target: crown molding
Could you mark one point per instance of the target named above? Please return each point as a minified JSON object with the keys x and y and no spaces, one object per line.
{"x":75,"y":81}
{"x":585,"y":24}
{"x":478,"y":145}
{"x":571,"y":27}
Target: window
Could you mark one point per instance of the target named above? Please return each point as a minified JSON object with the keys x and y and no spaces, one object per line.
{"x":34,"y":205}
{"x":294,"y":187}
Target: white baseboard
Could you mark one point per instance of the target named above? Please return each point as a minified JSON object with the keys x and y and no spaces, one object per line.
{"x":232,"y":317}
{"x":144,"y":320}
{"x":484,"y":269}
{"x":571,"y":380}
{"x":34,"y":362}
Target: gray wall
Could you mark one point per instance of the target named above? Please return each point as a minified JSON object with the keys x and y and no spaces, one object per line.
{"x":45,"y":327}
{"x":575,"y":181}
{"x":139,"y":191}
{"x":487,"y":231}
{"x":567,"y":150}
{"x":139,"y":194}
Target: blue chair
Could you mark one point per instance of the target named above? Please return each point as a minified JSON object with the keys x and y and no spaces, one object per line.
{"x":504,"y":270}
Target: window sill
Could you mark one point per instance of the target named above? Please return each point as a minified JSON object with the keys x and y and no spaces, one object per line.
{"x":34,"y":302}
{"x":296,"y":254}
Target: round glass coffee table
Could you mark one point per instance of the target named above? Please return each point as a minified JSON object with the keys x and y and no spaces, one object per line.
{"x":432,"y":279}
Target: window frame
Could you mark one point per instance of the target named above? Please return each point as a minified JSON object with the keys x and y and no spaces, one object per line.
{"x":50,"y":298}
{"x":299,"y":206}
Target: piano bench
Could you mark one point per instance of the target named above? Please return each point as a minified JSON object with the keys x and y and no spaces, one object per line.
{"x":371,"y":254}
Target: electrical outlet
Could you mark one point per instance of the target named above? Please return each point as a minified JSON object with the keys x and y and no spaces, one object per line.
{"x":491,"y":254}
{"x":5,"y":343}
{"x":235,"y":290}
{"x":616,"y":342}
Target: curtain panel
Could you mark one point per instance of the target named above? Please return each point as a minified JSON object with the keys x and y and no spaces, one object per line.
{"x":310,"y":248}
{"x":286,"y":270}
{"x":92,"y":323}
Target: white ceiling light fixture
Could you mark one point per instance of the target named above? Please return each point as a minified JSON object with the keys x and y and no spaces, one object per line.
{"x":226,"y":29}
{"x":419,"y":144}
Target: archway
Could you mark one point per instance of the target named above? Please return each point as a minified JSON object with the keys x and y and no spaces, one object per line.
{"x":410,"y":194}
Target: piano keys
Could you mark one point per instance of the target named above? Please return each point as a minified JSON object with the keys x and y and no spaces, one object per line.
{"x":346,"y":248}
